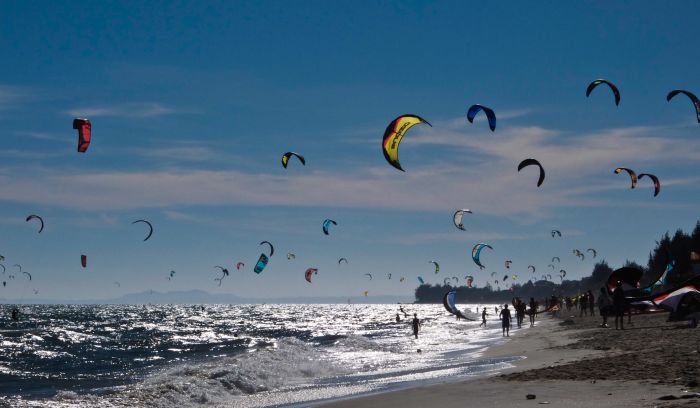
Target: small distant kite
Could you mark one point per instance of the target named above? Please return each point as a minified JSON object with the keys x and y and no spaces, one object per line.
{"x":612,"y":86}
{"x":83,"y":261}
{"x":474,"y":109}
{"x":657,"y":184}
{"x":286,"y":156}
{"x":341,"y":260}
{"x":457,"y":218}
{"x":476,"y":253}
{"x":693,"y":98}
{"x":150,"y":226}
{"x":261,"y":263}
{"x":531,"y":162}
{"x":555,"y":233}
{"x":36,"y":217}
{"x":291,"y":256}
{"x":632,"y":174}
{"x":84,"y":129}
{"x":326,"y":223}
{"x":309,"y":272}
{"x":437,"y":266}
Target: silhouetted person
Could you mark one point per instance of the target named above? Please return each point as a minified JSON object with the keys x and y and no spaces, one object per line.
{"x":398,"y":319}
{"x":620,"y":305}
{"x":15,"y":314}
{"x":483,"y":318}
{"x":533,"y":311}
{"x":505,"y":320}
{"x":416,"y":324}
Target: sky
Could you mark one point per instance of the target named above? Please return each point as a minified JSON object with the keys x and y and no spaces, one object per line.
{"x":192,"y":105}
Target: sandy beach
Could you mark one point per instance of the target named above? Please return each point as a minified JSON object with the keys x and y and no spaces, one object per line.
{"x":652,"y":363}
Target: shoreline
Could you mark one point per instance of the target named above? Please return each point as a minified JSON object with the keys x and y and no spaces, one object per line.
{"x":562,"y":367}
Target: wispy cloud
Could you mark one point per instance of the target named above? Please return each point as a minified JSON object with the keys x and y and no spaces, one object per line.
{"x":127,"y":110}
{"x":11,"y":95}
{"x":579,"y":174}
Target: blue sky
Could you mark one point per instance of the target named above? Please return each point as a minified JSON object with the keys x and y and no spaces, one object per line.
{"x":193,"y":103}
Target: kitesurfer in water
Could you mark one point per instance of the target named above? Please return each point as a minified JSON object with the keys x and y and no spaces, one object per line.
{"x":15,"y":314}
{"x":483,"y":318}
{"x":505,"y":320}
{"x":416,"y":324}
{"x":619,"y":304}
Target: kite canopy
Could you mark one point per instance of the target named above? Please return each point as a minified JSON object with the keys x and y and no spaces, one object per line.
{"x":286,"y":156}
{"x":475,"y":109}
{"x":393,"y":135}
{"x":531,"y":162}
{"x":83,"y":261}
{"x":150,"y":226}
{"x":437,"y":266}
{"x":680,"y":302}
{"x":693,"y":98}
{"x":261,"y":263}
{"x":84,"y":129}
{"x":612,"y":86}
{"x":309,"y":272}
{"x":326,"y":223}
{"x":627,"y":275}
{"x":420,"y":280}
{"x":449,"y":302}
{"x":633,"y":175}
{"x":657,"y":184}
{"x":476,"y":253}
{"x":459,"y":214}
{"x":36,"y":217}
{"x":556,"y":232}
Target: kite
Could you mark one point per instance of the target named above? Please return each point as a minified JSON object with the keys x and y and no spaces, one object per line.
{"x":393,"y":135}
{"x":437,"y":266}
{"x":657,"y":184}
{"x":370,"y":275}
{"x":456,"y":279}
{"x":492,"y":274}
{"x":366,"y":292}
{"x":476,"y":252}
{"x":508,"y":264}
{"x":597,"y":82}
{"x":239,"y":265}
{"x":389,"y":275}
{"x":341,"y":260}
{"x":326,"y":224}
{"x":533,"y":268}
{"x":3,"y":268}
{"x":402,"y":279}
{"x":556,"y":232}
{"x":83,"y":261}
{"x":171,"y":275}
{"x":84,"y":129}
{"x":631,"y":172}
{"x":557,"y":258}
{"x":309,"y":272}
{"x":421,"y":280}
{"x":28,"y":274}
{"x":458,"y":218}
{"x":36,"y":217}
{"x":692,"y":97}
{"x":470,"y":281}
{"x":446,"y":281}
{"x":530,"y":162}
{"x":286,"y":156}
{"x":562,"y":272}
{"x":272,"y":249}
{"x":291,"y":256}
{"x":449,"y":302}
{"x":224,"y":273}
{"x":150,"y":226}
{"x":261,"y":263}
{"x":474,"y":110}
{"x":595,"y":253}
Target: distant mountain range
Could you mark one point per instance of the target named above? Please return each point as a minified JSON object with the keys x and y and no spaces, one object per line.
{"x":203,"y":297}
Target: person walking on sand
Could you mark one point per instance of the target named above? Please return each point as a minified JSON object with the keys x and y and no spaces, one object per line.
{"x":620,"y":304}
{"x":604,"y":306}
{"x":533,"y":311}
{"x":483,"y":318}
{"x":416,"y":324}
{"x":505,"y":320}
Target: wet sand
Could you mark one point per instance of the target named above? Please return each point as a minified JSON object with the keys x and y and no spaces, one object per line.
{"x":575,"y":365}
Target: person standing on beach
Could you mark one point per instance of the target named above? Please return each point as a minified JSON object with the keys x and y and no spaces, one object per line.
{"x":505,"y":320}
{"x":483,"y":318}
{"x":416,"y":324}
{"x":620,"y":305}
{"x":533,"y":311}
{"x":398,"y":318}
{"x":583,"y":304}
{"x":591,"y":301}
{"x":604,"y":305}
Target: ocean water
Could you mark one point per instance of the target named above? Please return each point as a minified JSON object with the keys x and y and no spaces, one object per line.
{"x":231,"y":355}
